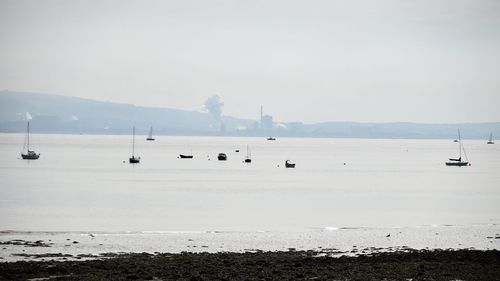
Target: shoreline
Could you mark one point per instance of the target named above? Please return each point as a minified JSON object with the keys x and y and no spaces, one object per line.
{"x":66,"y":246}
{"x":236,"y":136}
{"x":279,"y":265}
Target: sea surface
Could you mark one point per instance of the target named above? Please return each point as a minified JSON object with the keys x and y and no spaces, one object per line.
{"x":342,"y":193}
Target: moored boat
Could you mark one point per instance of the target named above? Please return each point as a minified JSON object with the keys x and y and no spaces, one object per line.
{"x":29,"y":154}
{"x":289,"y":164}
{"x":150,"y":135}
{"x":459,"y":162}
{"x":490,"y":139}
{"x":133,"y":159}
{"x":248,"y":158}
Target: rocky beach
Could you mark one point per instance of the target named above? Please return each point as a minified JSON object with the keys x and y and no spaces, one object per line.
{"x":259,"y":265}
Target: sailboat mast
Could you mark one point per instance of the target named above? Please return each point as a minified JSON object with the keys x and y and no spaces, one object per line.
{"x":133,"y":142}
{"x":28,"y":135}
{"x":459,"y":145}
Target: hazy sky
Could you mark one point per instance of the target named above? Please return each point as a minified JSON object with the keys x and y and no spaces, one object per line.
{"x":420,"y":61}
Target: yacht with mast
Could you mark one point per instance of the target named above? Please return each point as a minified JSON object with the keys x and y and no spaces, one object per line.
{"x":133,"y":159}
{"x":150,"y":135}
{"x":490,"y":140}
{"x":28,"y":154}
{"x":248,"y":158}
{"x":459,"y":161}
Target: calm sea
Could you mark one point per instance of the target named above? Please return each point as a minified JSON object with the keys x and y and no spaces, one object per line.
{"x":81,"y":183}
{"x":84,"y":183}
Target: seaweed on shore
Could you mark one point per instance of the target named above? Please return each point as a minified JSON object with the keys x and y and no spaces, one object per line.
{"x":17,"y":242}
{"x":290,"y":265}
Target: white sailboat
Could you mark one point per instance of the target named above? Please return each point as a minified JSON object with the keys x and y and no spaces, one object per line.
{"x":150,"y":135}
{"x":490,"y":140}
{"x":28,"y":154}
{"x":458,"y":161}
{"x":133,"y":159}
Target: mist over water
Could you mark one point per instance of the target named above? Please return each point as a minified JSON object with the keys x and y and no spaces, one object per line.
{"x":80,"y":183}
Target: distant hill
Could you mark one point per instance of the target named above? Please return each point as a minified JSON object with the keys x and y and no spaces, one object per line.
{"x":61,"y":114}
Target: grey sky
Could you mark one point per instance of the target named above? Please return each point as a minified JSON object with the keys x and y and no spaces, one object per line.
{"x":420,"y":61}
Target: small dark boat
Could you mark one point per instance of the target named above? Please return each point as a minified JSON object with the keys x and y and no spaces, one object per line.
{"x":30,"y":154}
{"x":183,"y":156}
{"x":289,"y":164}
{"x":133,"y":159}
{"x":222,"y":157}
{"x":458,"y":162}
{"x":271,"y":138}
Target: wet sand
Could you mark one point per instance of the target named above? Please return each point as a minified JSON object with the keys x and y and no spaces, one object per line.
{"x":291,"y":265}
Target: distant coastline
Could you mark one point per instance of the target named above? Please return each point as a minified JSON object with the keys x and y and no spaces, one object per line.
{"x":55,"y":114}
